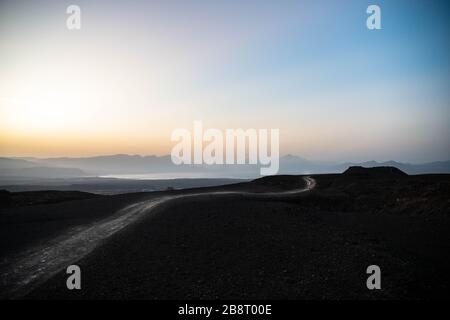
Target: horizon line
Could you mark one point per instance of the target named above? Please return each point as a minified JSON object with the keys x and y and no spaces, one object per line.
{"x":168,"y":155}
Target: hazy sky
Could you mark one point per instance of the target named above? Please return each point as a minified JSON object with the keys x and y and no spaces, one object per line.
{"x":139,"y":69}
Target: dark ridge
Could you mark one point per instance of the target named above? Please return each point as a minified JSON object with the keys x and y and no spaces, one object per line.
{"x":30,"y":198}
{"x":374,"y":172}
{"x":283,"y":182}
{"x":5,"y":198}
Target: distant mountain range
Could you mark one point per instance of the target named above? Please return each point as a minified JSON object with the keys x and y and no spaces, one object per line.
{"x":121,"y":164}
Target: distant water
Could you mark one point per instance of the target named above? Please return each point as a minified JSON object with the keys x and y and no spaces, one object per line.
{"x":178,"y":175}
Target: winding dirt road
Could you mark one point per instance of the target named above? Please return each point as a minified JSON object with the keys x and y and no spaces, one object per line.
{"x":33,"y":267}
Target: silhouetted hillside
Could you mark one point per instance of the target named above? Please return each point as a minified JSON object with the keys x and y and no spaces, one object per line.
{"x":30,"y":198}
{"x":374,"y":172}
{"x":312,"y":245}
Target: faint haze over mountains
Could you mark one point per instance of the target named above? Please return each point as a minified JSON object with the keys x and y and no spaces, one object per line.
{"x":159,"y":166}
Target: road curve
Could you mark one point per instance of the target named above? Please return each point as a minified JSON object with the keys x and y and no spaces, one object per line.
{"x":33,"y":267}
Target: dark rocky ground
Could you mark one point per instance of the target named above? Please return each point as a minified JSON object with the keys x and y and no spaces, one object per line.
{"x":315,"y":245}
{"x":33,"y":217}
